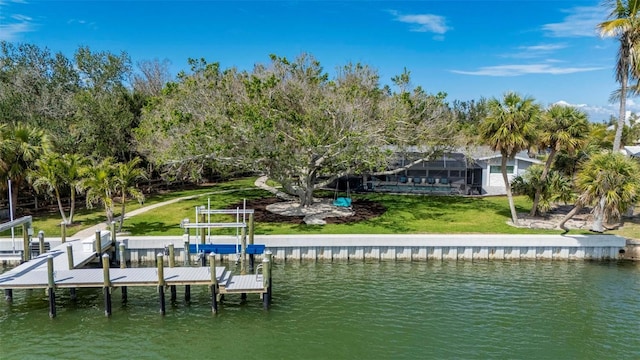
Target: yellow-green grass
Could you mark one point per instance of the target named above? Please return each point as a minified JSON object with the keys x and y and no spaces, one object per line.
{"x":404,"y":215}
{"x":630,"y":229}
{"x":84,"y":218}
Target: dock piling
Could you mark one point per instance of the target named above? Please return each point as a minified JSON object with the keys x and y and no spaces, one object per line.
{"x":160,"y":265}
{"x":40,"y":242}
{"x":251,"y":231}
{"x":97,"y":243}
{"x":71,"y":265}
{"x":265,"y":282}
{"x":26,"y":249}
{"x":51,"y":287}
{"x":214,"y":283}
{"x":8,"y":295}
{"x":123,"y":265}
{"x":106,"y":289}
{"x":243,"y":251}
{"x":172,"y":264}
{"x":269,"y":256}
{"x":185,"y":237}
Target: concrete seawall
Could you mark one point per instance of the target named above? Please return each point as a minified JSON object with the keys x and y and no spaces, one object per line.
{"x":413,"y":247}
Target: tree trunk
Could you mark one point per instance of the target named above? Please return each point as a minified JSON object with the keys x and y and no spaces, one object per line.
{"x":72,"y":206}
{"x":623,"y":111}
{"x":507,"y":186}
{"x":60,"y":207}
{"x":598,"y":216}
{"x":122,"y":213}
{"x":568,"y":217}
{"x":306,"y":191}
{"x":543,"y":179}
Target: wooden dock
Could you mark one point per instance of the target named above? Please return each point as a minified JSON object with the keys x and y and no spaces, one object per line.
{"x":52,"y":270}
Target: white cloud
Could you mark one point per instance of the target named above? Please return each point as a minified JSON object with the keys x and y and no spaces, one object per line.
{"x":11,"y":29}
{"x":423,"y":22}
{"x":534,"y":51}
{"x":604,"y":113}
{"x":90,"y":25}
{"x":580,"y":21}
{"x":518,"y":70}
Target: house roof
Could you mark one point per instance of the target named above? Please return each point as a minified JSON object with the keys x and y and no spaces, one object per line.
{"x":632,"y":151}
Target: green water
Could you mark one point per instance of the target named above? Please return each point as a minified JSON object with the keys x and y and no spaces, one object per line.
{"x":432,"y":310}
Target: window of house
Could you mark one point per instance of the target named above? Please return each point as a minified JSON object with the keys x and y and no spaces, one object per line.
{"x":495,"y":169}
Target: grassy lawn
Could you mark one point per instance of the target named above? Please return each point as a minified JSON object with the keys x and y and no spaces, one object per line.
{"x":84,"y":218}
{"x":404,"y":215}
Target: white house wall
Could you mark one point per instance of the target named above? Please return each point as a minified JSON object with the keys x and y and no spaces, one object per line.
{"x":493,"y":184}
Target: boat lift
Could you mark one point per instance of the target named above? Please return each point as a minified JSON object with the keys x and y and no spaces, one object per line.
{"x":242,"y":226}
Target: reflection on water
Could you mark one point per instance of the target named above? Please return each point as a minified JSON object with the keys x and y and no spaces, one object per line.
{"x":355,"y":310}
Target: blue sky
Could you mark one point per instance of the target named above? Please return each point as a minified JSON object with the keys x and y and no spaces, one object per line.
{"x":548,"y":50}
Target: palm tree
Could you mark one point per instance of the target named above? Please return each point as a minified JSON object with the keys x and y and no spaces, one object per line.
{"x":47,"y":175}
{"x":126,"y":175}
{"x":510,"y":128}
{"x":563,"y":128}
{"x":21,"y":146}
{"x":556,"y":187}
{"x":72,"y":166}
{"x":624,"y":23}
{"x":608,"y":181}
{"x":100,"y":185}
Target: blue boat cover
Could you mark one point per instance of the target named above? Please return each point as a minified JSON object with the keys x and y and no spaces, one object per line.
{"x":225,"y":249}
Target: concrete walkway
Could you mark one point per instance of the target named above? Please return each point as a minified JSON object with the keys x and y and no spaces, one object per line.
{"x":91,"y":231}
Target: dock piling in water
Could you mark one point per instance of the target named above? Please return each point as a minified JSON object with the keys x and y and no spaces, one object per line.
{"x":266,"y":282}
{"x":71,"y":265}
{"x":8,"y":295}
{"x":214,"y":283}
{"x":123,"y":265}
{"x":51,"y":287}
{"x":160,"y":265}
{"x":106,"y":289}
{"x":172,"y":264}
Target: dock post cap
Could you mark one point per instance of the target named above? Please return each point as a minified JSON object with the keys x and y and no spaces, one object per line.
{"x":40,"y":232}
{"x":49,"y":256}
{"x":265,"y":260}
{"x":105,"y":255}
{"x":159,"y":255}
{"x":69,"y":245}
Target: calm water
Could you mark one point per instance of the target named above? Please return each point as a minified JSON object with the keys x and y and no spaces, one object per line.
{"x":480,"y":310}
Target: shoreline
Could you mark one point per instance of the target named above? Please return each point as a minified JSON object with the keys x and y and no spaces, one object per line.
{"x":391,"y":247}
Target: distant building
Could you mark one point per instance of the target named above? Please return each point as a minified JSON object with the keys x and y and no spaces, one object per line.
{"x":472,"y":172}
